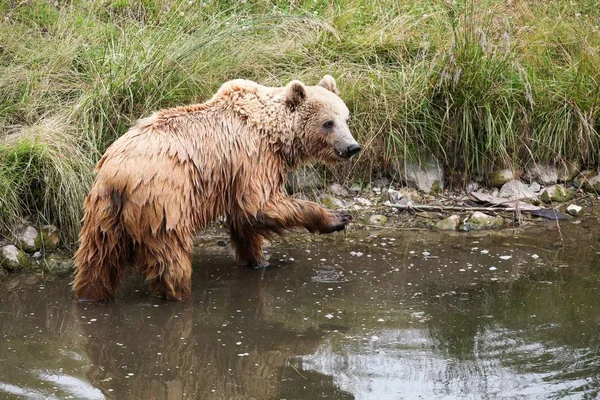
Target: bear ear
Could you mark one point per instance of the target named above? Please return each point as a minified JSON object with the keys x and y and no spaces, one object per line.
{"x":295,"y":94}
{"x":329,"y":83}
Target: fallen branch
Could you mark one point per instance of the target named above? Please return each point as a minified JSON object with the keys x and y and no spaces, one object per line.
{"x":419,"y":207}
{"x":537,"y":212}
{"x":496,"y":201}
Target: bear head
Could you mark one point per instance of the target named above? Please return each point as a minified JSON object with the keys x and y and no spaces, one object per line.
{"x":321,"y":120}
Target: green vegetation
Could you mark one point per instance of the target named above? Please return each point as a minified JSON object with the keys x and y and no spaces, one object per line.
{"x":478,"y":84}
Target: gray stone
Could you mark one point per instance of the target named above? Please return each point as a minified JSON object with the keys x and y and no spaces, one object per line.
{"x":394,"y":196}
{"x":590,"y":182}
{"x":427,"y":177}
{"x":557,"y":193}
{"x":58,"y":264}
{"x":337,"y":189}
{"x":568,"y":171}
{"x":410,"y":193}
{"x":377,"y":219}
{"x":305,"y":180}
{"x":535,"y":187}
{"x":449,"y":224}
{"x":480,"y":221}
{"x":355,"y":190}
{"x":364,"y":202}
{"x":406,"y":202}
{"x":28,"y":240}
{"x":465,"y":227}
{"x":472,"y":187}
{"x":50,"y":238}
{"x":330,"y":201}
{"x":13,"y":259}
{"x":574,"y":210}
{"x":516,"y":190}
{"x":381,"y":183}
{"x":499,"y":178}
{"x":546,"y":174}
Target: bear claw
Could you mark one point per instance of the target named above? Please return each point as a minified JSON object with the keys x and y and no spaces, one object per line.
{"x":257,"y":264}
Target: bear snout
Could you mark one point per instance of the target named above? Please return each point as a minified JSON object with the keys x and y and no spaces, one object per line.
{"x":347,"y":152}
{"x":353,"y":149}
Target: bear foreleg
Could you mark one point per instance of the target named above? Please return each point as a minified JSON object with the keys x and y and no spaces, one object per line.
{"x":248,"y":245}
{"x":287,"y":213}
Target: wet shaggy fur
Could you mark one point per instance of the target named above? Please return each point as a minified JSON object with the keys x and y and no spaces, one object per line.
{"x":182,"y":168}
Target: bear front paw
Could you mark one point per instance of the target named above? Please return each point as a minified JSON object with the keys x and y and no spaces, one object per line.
{"x":339,"y":222}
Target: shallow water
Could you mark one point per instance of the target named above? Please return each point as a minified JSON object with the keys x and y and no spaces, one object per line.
{"x":385,"y":315}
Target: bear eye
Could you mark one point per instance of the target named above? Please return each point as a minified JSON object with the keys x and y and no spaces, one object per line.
{"x":328,"y":125}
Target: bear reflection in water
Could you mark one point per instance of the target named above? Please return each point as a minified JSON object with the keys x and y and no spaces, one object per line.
{"x":226,"y":342}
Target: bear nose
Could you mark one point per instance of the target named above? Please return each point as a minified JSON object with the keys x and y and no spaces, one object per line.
{"x":353,"y":149}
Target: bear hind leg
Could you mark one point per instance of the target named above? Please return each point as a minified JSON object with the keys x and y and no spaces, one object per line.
{"x":167,"y":267}
{"x":101,"y":262}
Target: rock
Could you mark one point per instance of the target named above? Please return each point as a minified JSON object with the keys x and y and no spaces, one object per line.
{"x":574,"y":210}
{"x":59,"y":264}
{"x":472,"y":187}
{"x":330,"y":202}
{"x":516,"y":190}
{"x":13,"y":259}
{"x":427,"y":177}
{"x":394,"y":196}
{"x":480,"y":221}
{"x":590,"y":182}
{"x":28,"y":240}
{"x":364,"y":202}
{"x":377,"y":219}
{"x":355,"y":190}
{"x":499,"y":178}
{"x":410,"y":193}
{"x":568,"y":171}
{"x":449,"y":224}
{"x":337,"y":189}
{"x":546,"y":174}
{"x":535,"y":187}
{"x":50,"y":238}
{"x":557,"y":193}
{"x":305,"y":180}
{"x":37,"y":255}
{"x":406,"y":202}
{"x":381,"y":183}
{"x":465,"y":227}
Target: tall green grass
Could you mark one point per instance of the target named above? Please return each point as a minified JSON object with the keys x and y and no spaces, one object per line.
{"x":477,"y":84}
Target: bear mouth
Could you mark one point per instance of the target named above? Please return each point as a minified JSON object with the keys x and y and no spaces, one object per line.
{"x":348,"y":152}
{"x":342,"y":155}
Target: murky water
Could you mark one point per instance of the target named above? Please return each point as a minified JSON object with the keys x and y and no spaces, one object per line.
{"x":389,"y":315}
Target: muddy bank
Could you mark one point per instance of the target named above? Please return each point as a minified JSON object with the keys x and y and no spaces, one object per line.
{"x":514,"y":206}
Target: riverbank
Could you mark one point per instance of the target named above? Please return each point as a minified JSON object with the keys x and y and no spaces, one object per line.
{"x":509,"y":210}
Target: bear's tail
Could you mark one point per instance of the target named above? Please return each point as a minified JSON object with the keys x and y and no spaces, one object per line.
{"x":105,"y":248}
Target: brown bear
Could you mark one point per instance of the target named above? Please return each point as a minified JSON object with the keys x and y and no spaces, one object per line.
{"x":182,"y":168}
